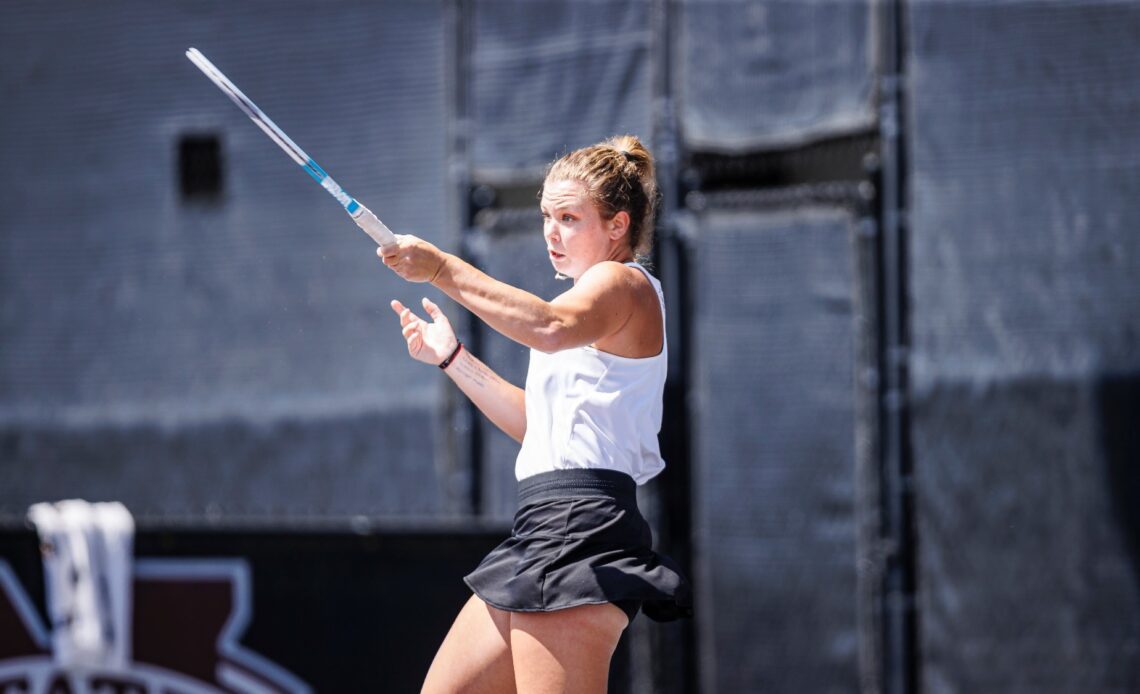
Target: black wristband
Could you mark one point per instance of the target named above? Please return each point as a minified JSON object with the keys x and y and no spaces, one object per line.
{"x":451,"y":357}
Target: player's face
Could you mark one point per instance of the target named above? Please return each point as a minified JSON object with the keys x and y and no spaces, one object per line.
{"x":577,"y":237}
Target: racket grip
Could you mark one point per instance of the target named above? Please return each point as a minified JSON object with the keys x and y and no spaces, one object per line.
{"x":372,"y":226}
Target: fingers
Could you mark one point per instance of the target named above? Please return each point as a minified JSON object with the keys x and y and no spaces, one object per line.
{"x":402,"y":311}
{"x":390,"y":254}
{"x":411,"y":327}
{"x":432,"y":309}
{"x":415,"y":343}
{"x":416,"y":331}
{"x":435,"y":313}
{"x":393,"y":259}
{"x":412,"y":259}
{"x":392,"y":249}
{"x":406,"y":314}
{"x":407,"y":318}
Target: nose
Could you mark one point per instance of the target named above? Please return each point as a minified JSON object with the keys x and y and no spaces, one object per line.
{"x":549,"y":229}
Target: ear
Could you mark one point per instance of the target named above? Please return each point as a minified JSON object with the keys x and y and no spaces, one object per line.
{"x":619,"y":225}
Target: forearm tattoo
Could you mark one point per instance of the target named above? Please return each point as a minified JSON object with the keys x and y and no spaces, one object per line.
{"x":476,"y":372}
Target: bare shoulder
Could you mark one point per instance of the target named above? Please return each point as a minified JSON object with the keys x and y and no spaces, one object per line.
{"x":641,"y":333}
{"x":616,"y":276}
{"x":615,"y":287}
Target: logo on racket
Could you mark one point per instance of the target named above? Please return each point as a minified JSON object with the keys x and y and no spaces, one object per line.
{"x":337,"y":192}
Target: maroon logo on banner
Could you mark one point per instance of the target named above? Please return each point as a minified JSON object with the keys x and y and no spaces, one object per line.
{"x":187,"y":620}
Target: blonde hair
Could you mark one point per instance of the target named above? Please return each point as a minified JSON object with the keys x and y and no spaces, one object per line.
{"x":619,"y":177}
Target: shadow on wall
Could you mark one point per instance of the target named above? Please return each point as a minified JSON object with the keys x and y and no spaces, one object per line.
{"x":1118,"y":405}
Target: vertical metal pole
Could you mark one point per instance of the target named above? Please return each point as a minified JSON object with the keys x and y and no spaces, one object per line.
{"x":671,"y":646}
{"x":461,"y":436}
{"x":900,"y":665}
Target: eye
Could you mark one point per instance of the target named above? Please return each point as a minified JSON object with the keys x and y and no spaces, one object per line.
{"x":567,"y":218}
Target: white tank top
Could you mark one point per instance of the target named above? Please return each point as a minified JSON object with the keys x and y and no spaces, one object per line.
{"x":591,"y":409}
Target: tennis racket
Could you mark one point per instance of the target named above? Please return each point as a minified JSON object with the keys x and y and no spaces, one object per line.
{"x":359,"y":213}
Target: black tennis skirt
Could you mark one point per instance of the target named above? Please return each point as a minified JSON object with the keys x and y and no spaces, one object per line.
{"x":579,"y":539}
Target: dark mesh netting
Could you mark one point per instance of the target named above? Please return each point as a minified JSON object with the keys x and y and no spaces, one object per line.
{"x":774,"y":428}
{"x":1025,"y":133}
{"x":772,"y":74}
{"x":548,"y":77}
{"x":218,"y":325}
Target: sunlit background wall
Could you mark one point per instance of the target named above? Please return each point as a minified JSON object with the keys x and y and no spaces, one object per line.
{"x":900,"y":254}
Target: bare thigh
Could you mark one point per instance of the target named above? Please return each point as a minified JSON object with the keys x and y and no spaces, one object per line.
{"x":567,"y":651}
{"x":475,"y":656}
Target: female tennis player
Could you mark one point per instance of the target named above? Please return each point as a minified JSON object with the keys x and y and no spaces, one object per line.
{"x":551,"y":602}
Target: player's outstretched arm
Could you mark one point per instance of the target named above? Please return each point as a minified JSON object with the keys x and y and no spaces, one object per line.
{"x":599,"y":303}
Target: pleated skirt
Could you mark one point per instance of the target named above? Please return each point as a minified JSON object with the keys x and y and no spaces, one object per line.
{"x":579,"y":539}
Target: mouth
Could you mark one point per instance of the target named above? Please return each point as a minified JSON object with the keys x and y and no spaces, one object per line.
{"x":555,"y":255}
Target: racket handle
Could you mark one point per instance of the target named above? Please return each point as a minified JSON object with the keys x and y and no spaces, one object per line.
{"x":372,"y":226}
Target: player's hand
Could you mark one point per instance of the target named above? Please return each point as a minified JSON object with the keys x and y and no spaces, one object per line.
{"x":413,"y":258}
{"x":431,"y":342}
